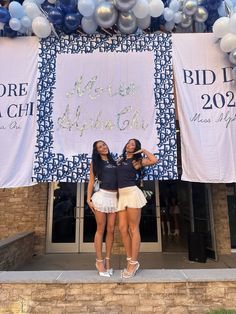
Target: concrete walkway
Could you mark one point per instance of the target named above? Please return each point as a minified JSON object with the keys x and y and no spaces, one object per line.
{"x":86,"y":261}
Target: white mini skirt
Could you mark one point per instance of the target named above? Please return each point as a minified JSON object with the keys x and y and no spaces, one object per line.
{"x":131,"y":197}
{"x":105,"y":201}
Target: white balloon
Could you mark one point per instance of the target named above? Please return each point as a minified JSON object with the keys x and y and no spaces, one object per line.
{"x":156,"y":8}
{"x":52,"y":1}
{"x":26,"y":2}
{"x":168,"y":14}
{"x":41,"y":27}
{"x":228,"y":42}
{"x":15,"y":24}
{"x":26,"y":21}
{"x":232,"y":23}
{"x":174,"y":5}
{"x":141,"y":9}
{"x":86,"y":7}
{"x":32,"y":10}
{"x":89,"y":26}
{"x":177,"y":17}
{"x":221,"y":27}
{"x":169,"y":26}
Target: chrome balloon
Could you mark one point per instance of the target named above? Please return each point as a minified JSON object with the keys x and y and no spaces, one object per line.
{"x":190,"y":7}
{"x":186,"y":21}
{"x":125,"y":5}
{"x":127,"y":22}
{"x":201,"y":15}
{"x":106,"y":14}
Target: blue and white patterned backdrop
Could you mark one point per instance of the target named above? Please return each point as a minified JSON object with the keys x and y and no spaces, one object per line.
{"x":54,"y":166}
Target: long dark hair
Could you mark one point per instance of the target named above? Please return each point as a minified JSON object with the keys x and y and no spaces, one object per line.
{"x":97,"y":160}
{"x":137,"y":147}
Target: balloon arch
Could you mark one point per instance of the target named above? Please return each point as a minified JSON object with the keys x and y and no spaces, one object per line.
{"x":43,"y":17}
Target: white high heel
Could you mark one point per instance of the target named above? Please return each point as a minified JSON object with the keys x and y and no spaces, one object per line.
{"x":101,"y":273}
{"x":130,"y":274}
{"x":125,"y":269}
{"x":109,"y":270}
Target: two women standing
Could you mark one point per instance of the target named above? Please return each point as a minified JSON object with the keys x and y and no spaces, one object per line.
{"x":103,"y":203}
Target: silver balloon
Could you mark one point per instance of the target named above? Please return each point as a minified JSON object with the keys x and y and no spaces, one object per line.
{"x":201,"y":15}
{"x":125,"y":5}
{"x":105,"y":14}
{"x":190,"y":7}
{"x":200,"y":2}
{"x":186,"y":21}
{"x":232,"y":56}
{"x":127,"y":22}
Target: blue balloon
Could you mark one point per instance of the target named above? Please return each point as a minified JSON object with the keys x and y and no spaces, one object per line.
{"x":72,"y":21}
{"x":16,"y":10}
{"x":68,"y":6}
{"x":56,"y":16}
{"x":4,"y":15}
{"x":8,"y":32}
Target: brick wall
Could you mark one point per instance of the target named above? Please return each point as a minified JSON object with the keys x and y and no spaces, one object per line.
{"x":167,"y":297}
{"x":221,"y":218}
{"x":24,"y":210}
{"x":16,"y":251}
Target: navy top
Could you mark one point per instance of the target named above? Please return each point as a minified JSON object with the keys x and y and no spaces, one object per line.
{"x":109,"y":176}
{"x":126,"y":173}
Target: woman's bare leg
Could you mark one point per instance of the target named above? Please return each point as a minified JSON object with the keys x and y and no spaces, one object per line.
{"x":111,"y":218}
{"x":124,"y":231}
{"x":133,"y":218}
{"x":98,"y":239}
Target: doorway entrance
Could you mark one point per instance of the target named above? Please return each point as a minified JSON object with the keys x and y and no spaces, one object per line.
{"x":71,"y":224}
{"x":186,"y":207}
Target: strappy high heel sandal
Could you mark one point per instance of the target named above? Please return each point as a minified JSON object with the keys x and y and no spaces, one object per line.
{"x":101,"y":273}
{"x":109,"y":270}
{"x":130,"y":274}
{"x":128,"y":259}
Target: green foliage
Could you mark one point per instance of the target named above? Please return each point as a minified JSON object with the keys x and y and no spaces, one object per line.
{"x":222,"y":311}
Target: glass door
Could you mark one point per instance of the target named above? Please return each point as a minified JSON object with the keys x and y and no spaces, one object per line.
{"x":62,"y":222}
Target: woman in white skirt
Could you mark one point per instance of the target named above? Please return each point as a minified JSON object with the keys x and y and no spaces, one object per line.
{"x":103,"y":203}
{"x":131,"y":200}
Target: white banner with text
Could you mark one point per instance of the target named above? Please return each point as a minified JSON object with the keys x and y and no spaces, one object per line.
{"x":206,"y":102}
{"x":18,"y":101}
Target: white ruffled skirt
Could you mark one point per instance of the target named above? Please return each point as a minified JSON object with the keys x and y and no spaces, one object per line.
{"x":105,"y":201}
{"x":131,"y":197}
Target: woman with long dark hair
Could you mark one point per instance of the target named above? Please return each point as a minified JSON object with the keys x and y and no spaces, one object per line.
{"x":103,"y":203}
{"x":131,"y":200}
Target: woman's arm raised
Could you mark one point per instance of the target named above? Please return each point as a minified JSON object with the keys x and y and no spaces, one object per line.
{"x":149,"y":160}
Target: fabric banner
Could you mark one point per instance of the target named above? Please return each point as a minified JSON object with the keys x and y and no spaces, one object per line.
{"x":96,"y":87}
{"x":107,"y":96}
{"x":206,"y":109}
{"x":18,"y":101}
